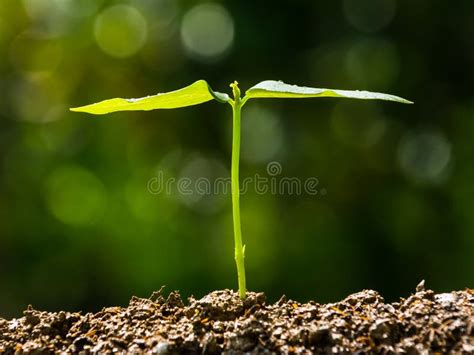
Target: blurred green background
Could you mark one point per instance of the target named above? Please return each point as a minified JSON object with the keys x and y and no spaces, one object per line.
{"x":78,"y":228}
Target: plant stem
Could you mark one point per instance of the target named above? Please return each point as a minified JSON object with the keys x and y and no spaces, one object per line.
{"x":239,"y":247}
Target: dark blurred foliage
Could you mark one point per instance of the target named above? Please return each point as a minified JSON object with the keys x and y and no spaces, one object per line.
{"x":78,"y":228}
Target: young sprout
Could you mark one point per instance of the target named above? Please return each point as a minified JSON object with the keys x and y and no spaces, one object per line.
{"x":200,"y":92}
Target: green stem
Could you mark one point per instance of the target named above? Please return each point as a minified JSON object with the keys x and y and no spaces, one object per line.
{"x":239,"y":247}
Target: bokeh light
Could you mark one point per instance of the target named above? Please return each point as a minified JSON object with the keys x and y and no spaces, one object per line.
{"x":75,"y":196}
{"x":146,"y":206}
{"x":34,"y":54}
{"x":36,"y":100}
{"x":120,"y":31}
{"x":373,"y":63}
{"x":163,"y":14}
{"x":357,"y":124}
{"x":202,"y":173}
{"x":370,"y":15}
{"x":207,"y":31}
{"x":424,"y":156}
{"x":262,"y":134}
{"x":39,"y":9}
{"x":56,"y":18}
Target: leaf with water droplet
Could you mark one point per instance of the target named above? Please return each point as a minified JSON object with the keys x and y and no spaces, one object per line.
{"x":278,"y":89}
{"x":194,"y":94}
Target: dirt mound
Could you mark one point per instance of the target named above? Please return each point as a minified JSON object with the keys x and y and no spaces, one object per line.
{"x":220,"y":322}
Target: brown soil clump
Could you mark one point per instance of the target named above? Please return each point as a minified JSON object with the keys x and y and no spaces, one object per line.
{"x":220,"y":322}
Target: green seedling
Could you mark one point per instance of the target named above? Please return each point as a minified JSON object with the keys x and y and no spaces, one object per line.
{"x":200,"y":92}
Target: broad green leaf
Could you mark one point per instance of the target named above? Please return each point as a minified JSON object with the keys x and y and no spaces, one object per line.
{"x":193,"y":94}
{"x":278,"y":89}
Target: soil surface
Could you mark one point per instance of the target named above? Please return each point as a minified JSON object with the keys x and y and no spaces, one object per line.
{"x":423,"y":323}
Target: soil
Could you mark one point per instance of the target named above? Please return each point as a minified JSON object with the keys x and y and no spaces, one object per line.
{"x":423,"y":323}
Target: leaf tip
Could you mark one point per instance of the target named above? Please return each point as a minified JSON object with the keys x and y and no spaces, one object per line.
{"x":84,"y":109}
{"x":405,"y":101}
